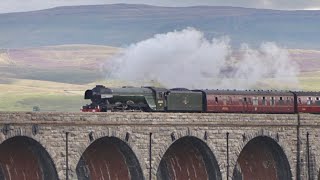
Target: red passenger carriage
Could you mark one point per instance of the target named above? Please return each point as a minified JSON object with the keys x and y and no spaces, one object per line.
{"x":308,"y":102}
{"x":228,"y":101}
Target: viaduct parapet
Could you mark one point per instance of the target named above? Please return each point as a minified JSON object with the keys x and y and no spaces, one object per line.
{"x":160,"y":146}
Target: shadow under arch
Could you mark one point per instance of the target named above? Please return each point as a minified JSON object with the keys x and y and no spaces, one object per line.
{"x":188,"y":158}
{"x":22,"y":157}
{"x":109,"y":158}
{"x":262,"y":158}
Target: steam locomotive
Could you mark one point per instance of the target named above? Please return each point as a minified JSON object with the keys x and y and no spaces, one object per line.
{"x":154,"y":99}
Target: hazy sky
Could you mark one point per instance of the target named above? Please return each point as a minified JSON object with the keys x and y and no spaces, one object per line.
{"x":29,"y":5}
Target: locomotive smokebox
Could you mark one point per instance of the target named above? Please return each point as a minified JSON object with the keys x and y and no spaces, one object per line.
{"x":88,"y":94}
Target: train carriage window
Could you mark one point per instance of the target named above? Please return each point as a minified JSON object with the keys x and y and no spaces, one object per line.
{"x":240,"y":101}
{"x":281,"y":102}
{"x":317,"y":101}
{"x":264,"y":102}
{"x":224,"y":100}
{"x":309,"y":101}
{"x":229,"y":99}
{"x":299,"y":100}
{"x":216,"y":100}
{"x":245,"y":100}
{"x":249,"y":101}
{"x":272,"y":101}
{"x":255,"y":100}
{"x":288,"y":100}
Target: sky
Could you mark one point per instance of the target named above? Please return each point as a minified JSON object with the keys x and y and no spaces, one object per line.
{"x":7,"y":6}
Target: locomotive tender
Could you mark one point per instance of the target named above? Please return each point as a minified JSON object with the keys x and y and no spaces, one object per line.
{"x":153,"y":99}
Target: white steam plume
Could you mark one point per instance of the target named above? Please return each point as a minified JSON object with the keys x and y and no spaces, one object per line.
{"x":187,"y":59}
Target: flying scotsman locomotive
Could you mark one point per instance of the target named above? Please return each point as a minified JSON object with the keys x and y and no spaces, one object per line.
{"x":154,"y":99}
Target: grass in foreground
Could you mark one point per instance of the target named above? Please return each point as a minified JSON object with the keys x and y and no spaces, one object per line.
{"x":46,"y":102}
{"x":23,"y":95}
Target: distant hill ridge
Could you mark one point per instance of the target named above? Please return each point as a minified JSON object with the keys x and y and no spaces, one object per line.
{"x":122,"y":24}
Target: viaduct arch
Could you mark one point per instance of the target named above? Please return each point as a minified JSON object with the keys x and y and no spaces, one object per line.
{"x":109,"y":158}
{"x":188,"y":158}
{"x":23,"y":158}
{"x":262,"y":158}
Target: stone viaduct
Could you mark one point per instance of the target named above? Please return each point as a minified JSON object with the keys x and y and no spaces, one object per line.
{"x":144,"y":146}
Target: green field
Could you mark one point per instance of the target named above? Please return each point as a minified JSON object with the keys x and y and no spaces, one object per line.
{"x":23,"y":95}
{"x":46,"y":102}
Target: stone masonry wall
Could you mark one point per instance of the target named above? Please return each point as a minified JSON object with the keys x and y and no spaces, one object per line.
{"x":49,"y":129}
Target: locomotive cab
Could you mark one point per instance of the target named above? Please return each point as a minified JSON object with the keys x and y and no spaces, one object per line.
{"x":159,"y":98}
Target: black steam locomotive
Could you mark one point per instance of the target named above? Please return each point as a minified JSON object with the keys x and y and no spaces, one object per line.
{"x":153,"y":99}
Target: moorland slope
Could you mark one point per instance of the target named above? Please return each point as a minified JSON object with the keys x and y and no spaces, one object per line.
{"x":122,"y":24}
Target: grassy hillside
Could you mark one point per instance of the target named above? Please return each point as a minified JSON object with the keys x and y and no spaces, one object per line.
{"x":23,"y":95}
{"x":75,"y":64}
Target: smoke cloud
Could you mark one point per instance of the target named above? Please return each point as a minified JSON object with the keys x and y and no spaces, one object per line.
{"x":187,"y":59}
